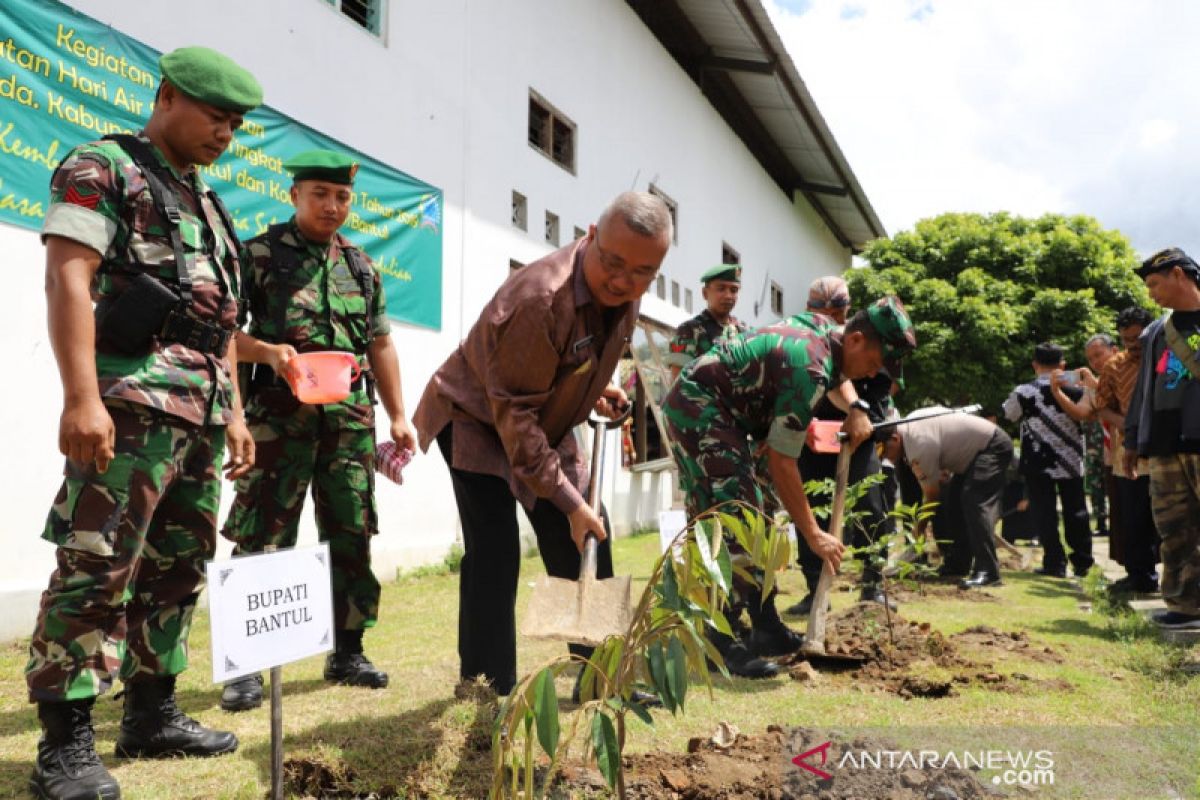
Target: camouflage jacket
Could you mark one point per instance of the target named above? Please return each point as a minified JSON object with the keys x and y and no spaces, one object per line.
{"x":325,"y":310}
{"x":697,"y":336}
{"x":99,"y":198}
{"x":770,"y":379}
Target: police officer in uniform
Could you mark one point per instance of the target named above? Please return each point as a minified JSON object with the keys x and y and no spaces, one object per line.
{"x":149,"y":410}
{"x":697,"y":336}
{"x":309,"y":289}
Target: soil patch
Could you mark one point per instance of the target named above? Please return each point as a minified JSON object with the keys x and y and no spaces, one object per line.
{"x":938,"y":588}
{"x":986,"y":637}
{"x":761,"y":767}
{"x":913,"y":660}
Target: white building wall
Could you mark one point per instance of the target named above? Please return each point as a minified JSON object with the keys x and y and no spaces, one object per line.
{"x":443,"y":96}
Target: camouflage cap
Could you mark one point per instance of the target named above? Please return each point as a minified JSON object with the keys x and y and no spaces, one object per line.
{"x":891,"y":321}
{"x":828,"y":292}
{"x":1169,"y":259}
{"x":322,"y":165}
{"x":722,"y":272}
{"x":212,"y":78}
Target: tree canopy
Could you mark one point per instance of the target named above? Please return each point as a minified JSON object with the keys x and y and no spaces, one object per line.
{"x":984,"y":290}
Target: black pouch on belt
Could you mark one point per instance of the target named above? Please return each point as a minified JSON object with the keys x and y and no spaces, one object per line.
{"x":129,"y":321}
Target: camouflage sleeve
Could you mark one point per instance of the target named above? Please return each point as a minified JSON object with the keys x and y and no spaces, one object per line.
{"x":86,"y":195}
{"x":683,"y":348}
{"x":380,"y":324}
{"x":256,"y":257}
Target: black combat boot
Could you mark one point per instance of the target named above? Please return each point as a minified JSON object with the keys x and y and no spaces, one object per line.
{"x":67,"y":767}
{"x":243,"y":694}
{"x":768,"y":635}
{"x":153,"y":726}
{"x":348,"y":666}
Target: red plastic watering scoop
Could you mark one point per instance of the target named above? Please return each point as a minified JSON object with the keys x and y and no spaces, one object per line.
{"x":322,"y":376}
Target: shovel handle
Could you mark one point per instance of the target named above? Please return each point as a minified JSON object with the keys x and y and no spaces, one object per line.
{"x":587,"y":564}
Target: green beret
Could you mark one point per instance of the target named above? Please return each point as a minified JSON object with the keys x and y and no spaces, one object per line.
{"x":722,"y":272}
{"x":322,"y":165}
{"x":892,"y":323}
{"x":212,"y":78}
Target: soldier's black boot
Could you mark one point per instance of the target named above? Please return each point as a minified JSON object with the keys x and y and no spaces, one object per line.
{"x":153,"y":725}
{"x":768,"y":635}
{"x":67,"y":767}
{"x":348,"y":666}
{"x":243,"y":694}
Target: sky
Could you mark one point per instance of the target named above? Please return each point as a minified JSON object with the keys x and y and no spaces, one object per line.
{"x":1028,"y":106}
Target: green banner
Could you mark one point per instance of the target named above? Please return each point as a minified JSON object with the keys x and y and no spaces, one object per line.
{"x":66,"y":78}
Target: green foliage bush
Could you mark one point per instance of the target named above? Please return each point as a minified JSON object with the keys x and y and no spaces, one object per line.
{"x":983,"y":290}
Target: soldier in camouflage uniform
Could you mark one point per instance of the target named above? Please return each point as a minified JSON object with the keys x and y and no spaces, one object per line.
{"x":308,"y":288}
{"x":697,"y":336}
{"x":761,"y":388}
{"x":148,"y":412}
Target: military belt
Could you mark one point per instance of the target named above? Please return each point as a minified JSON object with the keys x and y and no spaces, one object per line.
{"x":195,"y":334}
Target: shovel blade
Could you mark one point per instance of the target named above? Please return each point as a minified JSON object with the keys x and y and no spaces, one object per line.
{"x":580,"y":612}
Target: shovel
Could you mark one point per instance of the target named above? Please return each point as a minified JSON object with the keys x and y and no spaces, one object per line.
{"x":814,"y":635}
{"x":585,"y":611}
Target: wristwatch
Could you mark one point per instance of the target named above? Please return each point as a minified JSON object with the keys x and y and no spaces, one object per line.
{"x":861,"y":405}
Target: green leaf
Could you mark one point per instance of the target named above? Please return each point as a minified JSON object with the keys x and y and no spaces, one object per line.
{"x":657,"y":660}
{"x":711,"y":564}
{"x":677,"y":673}
{"x":725,"y":562}
{"x":545,"y":709}
{"x":604,"y":741}
{"x":640,"y":710}
{"x":669,"y":588}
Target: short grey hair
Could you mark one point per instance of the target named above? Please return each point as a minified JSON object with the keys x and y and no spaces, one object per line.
{"x":1100,"y":338}
{"x":644,"y":213}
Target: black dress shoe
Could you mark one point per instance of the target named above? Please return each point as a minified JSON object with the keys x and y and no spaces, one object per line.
{"x":774,"y":640}
{"x":1050,"y":572}
{"x":354,"y":669}
{"x":979,"y":580}
{"x":1134,"y":584}
{"x":873,"y":594}
{"x":243,"y":694}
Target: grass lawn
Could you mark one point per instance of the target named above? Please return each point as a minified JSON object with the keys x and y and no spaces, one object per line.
{"x":1121,"y":718}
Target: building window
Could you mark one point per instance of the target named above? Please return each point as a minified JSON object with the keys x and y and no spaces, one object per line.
{"x":552,"y":228}
{"x":551,"y":133}
{"x":729,"y":255}
{"x":579,"y":233}
{"x":672,"y":207}
{"x":660,"y":287}
{"x":687,"y":300}
{"x":520,"y":211}
{"x":675,"y":293}
{"x":776,"y":298}
{"x":367,"y":14}
{"x":514,"y":265}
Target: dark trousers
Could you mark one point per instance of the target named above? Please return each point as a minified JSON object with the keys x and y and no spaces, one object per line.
{"x":1044,"y":511}
{"x":874,"y":523}
{"x":487,"y":589}
{"x":1141,"y":535}
{"x":982,"y":491}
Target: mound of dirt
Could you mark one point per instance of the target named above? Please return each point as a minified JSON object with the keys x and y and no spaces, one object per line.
{"x":768,"y":766}
{"x":912,"y":659}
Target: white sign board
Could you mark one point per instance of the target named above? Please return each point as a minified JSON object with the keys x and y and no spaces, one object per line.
{"x":269,"y":609}
{"x":670,"y":523}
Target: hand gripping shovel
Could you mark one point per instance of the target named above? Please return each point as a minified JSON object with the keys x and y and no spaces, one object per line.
{"x":814,"y":635}
{"x":586,"y":611}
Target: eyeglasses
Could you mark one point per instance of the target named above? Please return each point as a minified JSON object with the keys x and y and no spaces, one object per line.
{"x":615,"y":266}
{"x":837,"y":302}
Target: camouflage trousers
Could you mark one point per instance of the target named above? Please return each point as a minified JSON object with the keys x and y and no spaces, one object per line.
{"x":716,"y":464}
{"x":292,"y":451}
{"x":1175,"y":501}
{"x":132,"y":543}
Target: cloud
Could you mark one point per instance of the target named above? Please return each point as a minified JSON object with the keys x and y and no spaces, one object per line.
{"x":1077,"y":106}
